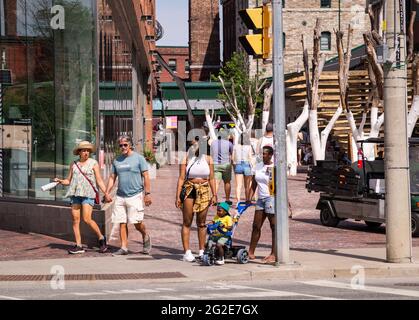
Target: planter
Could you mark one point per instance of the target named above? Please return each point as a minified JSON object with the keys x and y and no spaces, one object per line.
{"x":152,"y":171}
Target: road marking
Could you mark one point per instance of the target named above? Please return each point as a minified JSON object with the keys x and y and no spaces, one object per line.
{"x":301,"y":294}
{"x":340,"y":285}
{"x":165,"y":289}
{"x":170,"y":298}
{"x":251,"y":292}
{"x":114,"y":292}
{"x":9,"y":298}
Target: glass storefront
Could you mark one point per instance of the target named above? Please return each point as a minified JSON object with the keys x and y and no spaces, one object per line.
{"x":49,"y":46}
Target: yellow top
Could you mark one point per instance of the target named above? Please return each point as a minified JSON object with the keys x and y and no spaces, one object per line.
{"x":227,"y":221}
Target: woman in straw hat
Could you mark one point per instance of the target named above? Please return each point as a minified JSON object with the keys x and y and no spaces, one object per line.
{"x":83,"y":179}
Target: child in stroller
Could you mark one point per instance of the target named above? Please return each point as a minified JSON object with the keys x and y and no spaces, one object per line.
{"x":220,"y":232}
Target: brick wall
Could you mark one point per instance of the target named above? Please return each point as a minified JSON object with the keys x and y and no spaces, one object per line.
{"x":300,"y":20}
{"x":181,"y":55}
{"x":204,"y":38}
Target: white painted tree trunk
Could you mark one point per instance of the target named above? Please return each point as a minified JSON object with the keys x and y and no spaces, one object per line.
{"x":413,"y":116}
{"x":315,"y":136}
{"x":210,"y":123}
{"x":319,"y":141}
{"x":292,"y":135}
{"x":265,"y":120}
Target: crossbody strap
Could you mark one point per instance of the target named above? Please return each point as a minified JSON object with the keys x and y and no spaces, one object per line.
{"x":88,"y":180}
{"x":189,"y":170}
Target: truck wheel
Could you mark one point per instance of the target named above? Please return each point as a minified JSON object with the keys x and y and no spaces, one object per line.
{"x":327,"y":219}
{"x":372,"y":224}
{"x":415,"y":225}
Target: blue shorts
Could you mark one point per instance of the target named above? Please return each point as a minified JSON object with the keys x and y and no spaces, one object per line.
{"x":82,"y":200}
{"x":266,"y":204}
{"x":243,"y":167}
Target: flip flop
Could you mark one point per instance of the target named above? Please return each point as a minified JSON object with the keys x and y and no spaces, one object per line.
{"x":269,"y":259}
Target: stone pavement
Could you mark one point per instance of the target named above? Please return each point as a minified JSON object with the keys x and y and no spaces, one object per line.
{"x":311,"y":243}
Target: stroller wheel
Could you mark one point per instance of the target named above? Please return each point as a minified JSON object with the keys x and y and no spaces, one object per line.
{"x":242,"y":256}
{"x":207,"y":260}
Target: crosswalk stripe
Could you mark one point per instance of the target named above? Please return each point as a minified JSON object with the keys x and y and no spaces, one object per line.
{"x":115,"y":292}
{"x":270,"y":290}
{"x":339,"y":285}
{"x":9,"y":298}
{"x":256,"y":294}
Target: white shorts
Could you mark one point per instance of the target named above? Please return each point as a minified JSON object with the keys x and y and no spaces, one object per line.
{"x":128,"y":210}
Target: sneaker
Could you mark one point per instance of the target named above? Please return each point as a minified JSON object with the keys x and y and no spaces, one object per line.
{"x":219,"y":262}
{"x":201,"y":254}
{"x":188,"y":256}
{"x":120,"y":252}
{"x":102,"y":245}
{"x":76,"y":250}
{"x":147,"y":244}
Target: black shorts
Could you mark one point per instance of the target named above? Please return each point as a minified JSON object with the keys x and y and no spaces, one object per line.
{"x":192,"y":194}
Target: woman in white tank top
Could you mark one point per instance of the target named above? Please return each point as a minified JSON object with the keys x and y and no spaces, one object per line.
{"x":196,"y":179}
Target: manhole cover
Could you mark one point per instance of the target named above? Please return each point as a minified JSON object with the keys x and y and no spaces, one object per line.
{"x":92,"y":277}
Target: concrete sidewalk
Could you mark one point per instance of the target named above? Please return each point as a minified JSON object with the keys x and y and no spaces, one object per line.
{"x":310,"y":264}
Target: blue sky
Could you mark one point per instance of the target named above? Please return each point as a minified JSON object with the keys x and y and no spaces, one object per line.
{"x":173,"y":16}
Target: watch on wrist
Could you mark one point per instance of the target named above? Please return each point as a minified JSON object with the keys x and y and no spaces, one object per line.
{"x":147,"y":193}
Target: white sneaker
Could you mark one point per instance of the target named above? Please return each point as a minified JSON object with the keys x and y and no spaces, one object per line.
{"x":188,"y":256}
{"x":219,"y":262}
{"x":201,"y":254}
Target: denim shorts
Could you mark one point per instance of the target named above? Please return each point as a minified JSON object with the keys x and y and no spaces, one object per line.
{"x":243,"y":167}
{"x":82,"y":200}
{"x":266,"y":204}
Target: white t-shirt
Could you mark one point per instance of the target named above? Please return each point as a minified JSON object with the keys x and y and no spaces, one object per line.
{"x":242,"y":153}
{"x":263,"y":176}
{"x":265,"y":141}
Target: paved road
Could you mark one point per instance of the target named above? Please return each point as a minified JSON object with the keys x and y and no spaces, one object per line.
{"x":381,"y":289}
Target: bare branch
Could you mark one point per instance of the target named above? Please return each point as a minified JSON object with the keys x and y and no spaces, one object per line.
{"x":415,"y":74}
{"x":307,"y":73}
{"x":375,"y":66}
{"x":410,"y":36}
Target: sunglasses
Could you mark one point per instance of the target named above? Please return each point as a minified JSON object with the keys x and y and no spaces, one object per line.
{"x":125,"y":145}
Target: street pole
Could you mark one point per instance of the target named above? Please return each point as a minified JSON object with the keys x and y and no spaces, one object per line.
{"x":281,"y":190}
{"x":397,"y":202}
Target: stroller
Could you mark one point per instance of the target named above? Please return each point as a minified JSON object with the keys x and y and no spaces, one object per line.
{"x":230,"y":251}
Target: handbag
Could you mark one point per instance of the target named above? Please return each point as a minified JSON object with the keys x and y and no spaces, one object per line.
{"x":97,"y":198}
{"x":183,"y":190}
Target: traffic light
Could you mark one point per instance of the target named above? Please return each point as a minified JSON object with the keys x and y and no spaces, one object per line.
{"x":257,"y":19}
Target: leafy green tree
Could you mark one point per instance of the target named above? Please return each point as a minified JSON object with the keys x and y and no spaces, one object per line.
{"x":242,"y":92}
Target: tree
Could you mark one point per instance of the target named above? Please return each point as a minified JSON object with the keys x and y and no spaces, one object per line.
{"x":241,"y":93}
{"x":318,"y":141}
{"x":413,"y":57}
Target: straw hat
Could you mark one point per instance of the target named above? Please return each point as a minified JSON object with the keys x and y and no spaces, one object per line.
{"x":84,"y":145}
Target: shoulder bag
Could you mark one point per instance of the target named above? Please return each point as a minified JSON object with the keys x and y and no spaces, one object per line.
{"x":183,"y":191}
{"x":97,"y":198}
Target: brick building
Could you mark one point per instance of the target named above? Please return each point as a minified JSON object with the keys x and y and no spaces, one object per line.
{"x":300,"y":20}
{"x":177,"y":58}
{"x":204,"y":39}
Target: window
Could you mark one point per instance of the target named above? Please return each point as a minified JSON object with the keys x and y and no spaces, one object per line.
{"x":186,"y":65}
{"x":325,"y":41}
{"x":283,"y":3}
{"x":325,"y":4}
{"x":283,"y":40}
{"x":172,"y":64}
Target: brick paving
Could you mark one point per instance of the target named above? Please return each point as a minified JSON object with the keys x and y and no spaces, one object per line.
{"x":164,"y":222}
